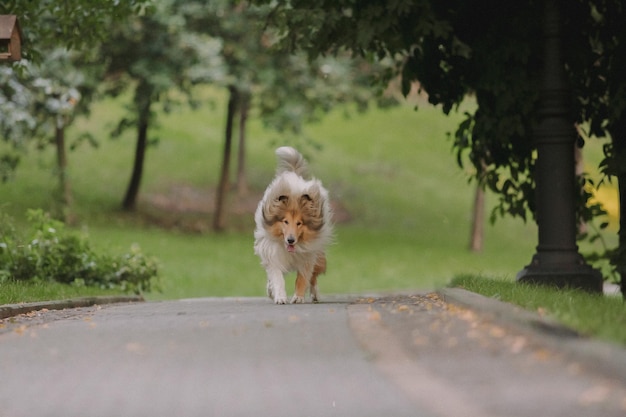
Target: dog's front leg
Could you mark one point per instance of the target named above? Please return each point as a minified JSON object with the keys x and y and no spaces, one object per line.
{"x":303,"y":280}
{"x":301,"y":285}
{"x":276,"y":286}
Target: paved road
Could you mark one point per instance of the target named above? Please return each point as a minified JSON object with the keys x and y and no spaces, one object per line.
{"x":391,"y":356}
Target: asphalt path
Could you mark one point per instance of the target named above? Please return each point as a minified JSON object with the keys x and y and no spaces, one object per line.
{"x":400,"y":355}
{"x":201,"y":357}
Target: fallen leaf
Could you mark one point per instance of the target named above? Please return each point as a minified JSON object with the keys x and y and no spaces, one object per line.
{"x":20,"y":330}
{"x":542,"y":354}
{"x":134,"y":347}
{"x":518,"y":344}
{"x":497,"y":332}
{"x":594,"y":395}
{"x":374,"y":316}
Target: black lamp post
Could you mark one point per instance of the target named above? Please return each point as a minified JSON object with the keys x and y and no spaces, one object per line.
{"x":557,"y":261}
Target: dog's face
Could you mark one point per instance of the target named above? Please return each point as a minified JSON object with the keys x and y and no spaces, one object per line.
{"x":294,"y":219}
{"x":291,"y":228}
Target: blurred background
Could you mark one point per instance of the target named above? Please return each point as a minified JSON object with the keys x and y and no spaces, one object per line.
{"x":161,"y":133}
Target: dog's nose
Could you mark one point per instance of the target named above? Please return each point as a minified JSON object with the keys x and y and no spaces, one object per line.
{"x":291,"y":240}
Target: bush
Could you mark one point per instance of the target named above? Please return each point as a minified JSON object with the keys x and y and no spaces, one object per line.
{"x":50,"y":252}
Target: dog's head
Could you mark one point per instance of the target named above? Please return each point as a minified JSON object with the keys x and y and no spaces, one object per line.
{"x":294,"y":218}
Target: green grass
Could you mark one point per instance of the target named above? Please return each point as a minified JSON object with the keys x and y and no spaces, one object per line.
{"x":393,"y":170}
{"x":603,"y":317}
{"x":24,"y":292}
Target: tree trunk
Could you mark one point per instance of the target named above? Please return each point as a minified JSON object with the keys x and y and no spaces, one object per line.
{"x":478,"y":212}
{"x":222,"y":189}
{"x":478,"y":219}
{"x":130,"y":200}
{"x":65,"y":191}
{"x":242,"y":182}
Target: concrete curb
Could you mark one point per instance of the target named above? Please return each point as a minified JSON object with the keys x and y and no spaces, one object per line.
{"x":606,"y":358}
{"x":10,"y":310}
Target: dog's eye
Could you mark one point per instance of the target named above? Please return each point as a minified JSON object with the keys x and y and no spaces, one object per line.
{"x":286,"y":221}
{"x":299,"y":224}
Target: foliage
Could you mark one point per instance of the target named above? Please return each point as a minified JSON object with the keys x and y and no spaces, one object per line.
{"x":16,"y":119}
{"x":50,"y":253}
{"x":289,"y":89}
{"x":451,"y":49}
{"x":71,"y":24}
{"x":46,"y":89}
{"x":158,"y":57}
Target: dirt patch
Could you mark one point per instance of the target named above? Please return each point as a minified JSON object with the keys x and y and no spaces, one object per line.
{"x":190,"y":209}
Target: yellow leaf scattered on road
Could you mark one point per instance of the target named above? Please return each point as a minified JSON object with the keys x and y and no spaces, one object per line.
{"x":374,"y":316}
{"x":594,"y":395}
{"x":20,"y":330}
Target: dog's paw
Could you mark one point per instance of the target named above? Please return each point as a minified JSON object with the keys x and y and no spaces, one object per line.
{"x":280,"y":300}
{"x":297,"y":300}
{"x":314,"y":296}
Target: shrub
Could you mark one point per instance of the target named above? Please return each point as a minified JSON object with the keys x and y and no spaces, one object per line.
{"x":51,"y":252}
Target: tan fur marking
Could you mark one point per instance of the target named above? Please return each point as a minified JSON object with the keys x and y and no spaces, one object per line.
{"x":301,"y":285}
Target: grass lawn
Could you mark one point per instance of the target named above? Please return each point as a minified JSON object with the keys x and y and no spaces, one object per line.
{"x":20,"y":292}
{"x":406,"y":204}
{"x":603,"y":317}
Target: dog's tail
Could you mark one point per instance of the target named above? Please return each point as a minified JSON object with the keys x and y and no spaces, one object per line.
{"x":291,"y":160}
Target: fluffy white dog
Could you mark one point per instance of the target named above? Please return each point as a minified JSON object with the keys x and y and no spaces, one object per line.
{"x":293,"y":228}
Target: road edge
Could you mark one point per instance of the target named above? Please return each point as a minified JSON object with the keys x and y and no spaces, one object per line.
{"x":605,"y":358}
{"x":11,"y":310}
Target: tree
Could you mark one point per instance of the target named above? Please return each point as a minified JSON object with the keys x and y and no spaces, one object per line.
{"x":599,"y":79}
{"x":71,"y":24}
{"x":51,"y":94}
{"x":49,"y":26}
{"x":154,"y":53}
{"x":287,"y":90}
{"x":16,"y":119}
{"x":222,"y":186}
{"x":60,"y":92}
{"x":487,"y":48}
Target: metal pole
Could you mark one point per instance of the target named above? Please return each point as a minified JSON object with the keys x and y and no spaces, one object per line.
{"x":557,"y":261}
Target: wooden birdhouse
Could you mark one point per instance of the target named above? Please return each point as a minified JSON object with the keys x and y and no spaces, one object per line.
{"x":10,"y":38}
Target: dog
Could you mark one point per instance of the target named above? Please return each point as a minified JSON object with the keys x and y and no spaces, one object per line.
{"x":293,"y":228}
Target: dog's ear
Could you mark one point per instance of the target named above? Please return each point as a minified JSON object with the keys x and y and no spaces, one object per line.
{"x":274,"y":209}
{"x":307,"y":203}
{"x":311,"y":204}
{"x":312,"y":196}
